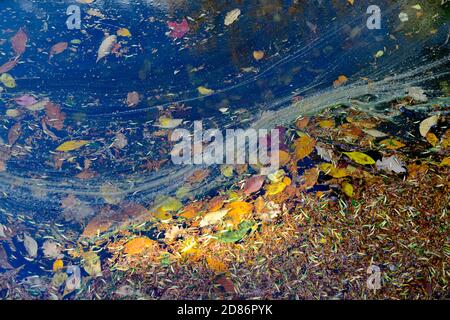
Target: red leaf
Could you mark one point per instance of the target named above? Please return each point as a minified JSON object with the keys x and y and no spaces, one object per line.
{"x":178,"y":30}
{"x":54,"y":117}
{"x":19,"y":42}
{"x":14,"y":133}
{"x":253,"y":184}
{"x":8,"y":66}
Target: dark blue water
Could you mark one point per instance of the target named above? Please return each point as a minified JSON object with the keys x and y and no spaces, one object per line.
{"x":307,"y":45}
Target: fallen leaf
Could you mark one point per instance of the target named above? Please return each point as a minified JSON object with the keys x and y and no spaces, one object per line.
{"x":91,"y":264}
{"x":348,"y":189}
{"x":258,"y":55}
{"x":124,"y":32}
{"x":232,"y":16}
{"x":71,"y":145}
{"x":341,"y":80}
{"x":213,"y":218}
{"x":19,"y":42}
{"x":392,"y":144}
{"x":133,"y":99}
{"x":205,"y":91}
{"x":216,"y":265}
{"x":137,"y":246}
{"x":31,"y":246}
{"x":178,"y":30}
{"x":427,"y":124}
{"x":390,"y":164}
{"x":7,"y":80}
{"x":253,"y":184}
{"x":25,"y":100}
{"x":360,"y":158}
{"x":106,"y":46}
{"x":303,"y":146}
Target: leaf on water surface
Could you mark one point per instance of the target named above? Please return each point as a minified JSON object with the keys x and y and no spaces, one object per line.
{"x":14,"y":133}
{"x":341,"y":80}
{"x":19,"y":42}
{"x":213,"y":218}
{"x":427,"y":124}
{"x":106,"y":46}
{"x":137,"y":246}
{"x":303,"y":146}
{"x":31,"y":246}
{"x":216,"y":265}
{"x":253,"y":184}
{"x":133,"y":99}
{"x":238,"y":210}
{"x":54,"y":117}
{"x":230,"y":236}
{"x":25,"y":100}
{"x":232,"y":16}
{"x":168,"y":123}
{"x":58,"y":48}
{"x":71,"y":145}
{"x":347,"y":188}
{"x":7,"y":80}
{"x":51,"y":249}
{"x":360,"y":158}
{"x":258,"y":55}
{"x":8,"y":66}
{"x":91,"y":264}
{"x":120,"y":141}
{"x":390,"y":164}
{"x":178,"y":30}
{"x":124,"y":32}
{"x":392,"y":144}
{"x":58,"y":265}
{"x":38,"y":106}
{"x":205,"y":91}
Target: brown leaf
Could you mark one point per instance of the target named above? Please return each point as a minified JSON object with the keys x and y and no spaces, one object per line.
{"x":133,"y":99}
{"x":14,"y":133}
{"x":54,"y":117}
{"x":19,"y":41}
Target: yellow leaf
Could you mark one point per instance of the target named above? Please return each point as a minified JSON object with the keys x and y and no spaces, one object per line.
{"x":426,"y":125}
{"x":238,"y":211}
{"x":392,"y":144}
{"x":71,"y":145}
{"x":333,"y":171}
{"x":258,"y":54}
{"x":304,"y":146}
{"x":326,"y":124}
{"x":347,"y":188}
{"x":205,"y":91}
{"x":58,"y":265}
{"x":138,"y":245}
{"x":124,"y":32}
{"x":275,"y":188}
{"x":8,"y":80}
{"x":432,"y":139}
{"x":360,"y":157}
{"x":445,"y":162}
{"x":216,"y":265}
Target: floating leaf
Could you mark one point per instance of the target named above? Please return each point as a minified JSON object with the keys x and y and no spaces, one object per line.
{"x":304,"y":146}
{"x":232,"y":16}
{"x":106,"y":46}
{"x":340,"y":81}
{"x":258,"y":55}
{"x":236,"y":235}
{"x":169,"y":123}
{"x":124,"y":32}
{"x":178,"y":30}
{"x":392,"y":144}
{"x":360,"y":158}
{"x":91,"y":264}
{"x":137,"y":246}
{"x":427,"y":124}
{"x":25,"y":100}
{"x":213,"y":218}
{"x":58,"y":265}
{"x":133,"y":99}
{"x":390,"y":164}
{"x":253,"y":184}
{"x":8,"y":80}
{"x":216,"y":265}
{"x":205,"y":91}
{"x":71,"y":145}
{"x":31,"y":246}
{"x":347,"y":188}
{"x":19,"y":42}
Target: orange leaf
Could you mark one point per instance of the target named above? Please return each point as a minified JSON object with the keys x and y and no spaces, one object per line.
{"x":304,"y":146}
{"x":138,"y":245}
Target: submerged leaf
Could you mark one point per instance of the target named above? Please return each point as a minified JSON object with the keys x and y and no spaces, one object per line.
{"x":71,"y":145}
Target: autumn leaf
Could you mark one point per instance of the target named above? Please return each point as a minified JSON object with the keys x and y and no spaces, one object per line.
{"x":137,"y":246}
{"x":427,"y":124}
{"x":7,"y":80}
{"x":213,"y":218}
{"x":205,"y":91}
{"x":432,"y":139}
{"x":310,"y":178}
{"x":232,"y":16}
{"x":253,"y":184}
{"x":360,"y":158}
{"x":71,"y":145}
{"x":239,"y":210}
{"x":19,"y":42}
{"x":275,"y":188}
{"x":340,"y":81}
{"x":258,"y":55}
{"x":303,"y":146}
{"x":335,"y":172}
{"x":106,"y":46}
{"x":124,"y":32}
{"x":216,"y":265}
{"x":348,"y":189}
{"x":58,"y":265}
{"x":392,"y":144}
{"x":178,"y":30}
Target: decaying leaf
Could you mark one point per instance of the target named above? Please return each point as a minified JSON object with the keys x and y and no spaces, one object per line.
{"x":106,"y":46}
{"x":427,"y":124}
{"x":232,"y":16}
